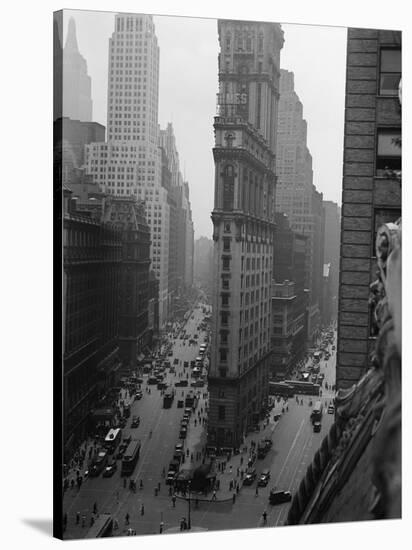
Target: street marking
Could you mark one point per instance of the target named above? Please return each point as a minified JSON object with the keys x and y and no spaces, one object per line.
{"x":290,"y":450}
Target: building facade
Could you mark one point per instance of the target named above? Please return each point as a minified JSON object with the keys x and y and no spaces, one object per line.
{"x":289,"y":299}
{"x":130,"y":162}
{"x":371,"y":186}
{"x":92,"y":257}
{"x":243,"y":226}
{"x":296,"y":195}
{"x":77,"y":84}
{"x":203,"y":264}
{"x":283,"y":320}
{"x":126,"y":215}
{"x":332,"y":214}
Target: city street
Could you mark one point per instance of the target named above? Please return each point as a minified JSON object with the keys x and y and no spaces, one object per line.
{"x":294,"y":444}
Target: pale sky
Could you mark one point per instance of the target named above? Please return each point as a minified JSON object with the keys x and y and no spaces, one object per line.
{"x":188,"y":86}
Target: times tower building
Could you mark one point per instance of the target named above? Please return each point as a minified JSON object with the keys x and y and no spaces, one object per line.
{"x":243,"y":226}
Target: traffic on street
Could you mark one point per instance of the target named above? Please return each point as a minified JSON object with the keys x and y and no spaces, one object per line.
{"x":133,"y":480}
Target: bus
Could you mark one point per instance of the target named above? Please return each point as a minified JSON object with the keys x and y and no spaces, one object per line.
{"x":102,"y":527}
{"x":281,"y":388}
{"x":190,"y":399}
{"x":112,"y":439}
{"x":168,"y":397}
{"x":317,"y":410}
{"x":130,"y":457}
{"x":306,"y":388}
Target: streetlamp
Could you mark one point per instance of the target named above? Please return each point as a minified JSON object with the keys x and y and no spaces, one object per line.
{"x":188,"y":500}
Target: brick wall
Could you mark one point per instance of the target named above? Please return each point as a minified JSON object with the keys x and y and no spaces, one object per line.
{"x":362,"y":194}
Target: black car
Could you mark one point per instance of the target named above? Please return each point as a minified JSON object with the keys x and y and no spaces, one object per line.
{"x":110,"y":469}
{"x":139,"y":394}
{"x":250,"y":476}
{"x":317,"y":426}
{"x":135,"y":422}
{"x":180,"y":404}
{"x":279,"y":497}
{"x":170,"y":477}
{"x":264,"y":478}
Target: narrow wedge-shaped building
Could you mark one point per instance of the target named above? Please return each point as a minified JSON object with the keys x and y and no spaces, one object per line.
{"x":243,"y":226}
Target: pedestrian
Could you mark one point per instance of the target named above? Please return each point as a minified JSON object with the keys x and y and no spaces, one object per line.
{"x":214,"y":495}
{"x":230,"y":469}
{"x":230,"y":485}
{"x":264,"y":515}
{"x":142,"y":509}
{"x":77,"y":518}
{"x":83,"y":520}
{"x":161,"y":527}
{"x":141,"y":484}
{"x":115,"y":524}
{"x":174,"y":501}
{"x":257,"y":491}
{"x":127,"y":518}
{"x":91,"y":521}
{"x":95,"y":508}
{"x":234,"y":498}
{"x":237,"y":488}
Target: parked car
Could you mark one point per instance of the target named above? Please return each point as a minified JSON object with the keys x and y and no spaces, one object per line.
{"x":279,"y":497}
{"x":180,"y":404}
{"x":139,"y":394}
{"x":264,"y":478}
{"x":183,"y":433}
{"x":175,"y":361}
{"x":170,"y":477}
{"x":110,"y":469}
{"x":250,"y":476}
{"x":135,"y":422}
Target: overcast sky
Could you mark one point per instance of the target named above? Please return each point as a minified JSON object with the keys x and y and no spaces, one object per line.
{"x":188,"y":86}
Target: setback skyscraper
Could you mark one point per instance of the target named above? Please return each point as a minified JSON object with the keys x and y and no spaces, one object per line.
{"x":296,"y":195}
{"x":130,"y":162}
{"x":77,"y":84}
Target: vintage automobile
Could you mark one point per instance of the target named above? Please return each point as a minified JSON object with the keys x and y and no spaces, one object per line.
{"x":110,"y":469}
{"x":279,"y":497}
{"x":249,"y":476}
{"x":264,"y":478}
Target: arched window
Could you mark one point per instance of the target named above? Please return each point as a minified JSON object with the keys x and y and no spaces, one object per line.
{"x":228,"y":187}
{"x":260,"y":43}
{"x":228,"y":41}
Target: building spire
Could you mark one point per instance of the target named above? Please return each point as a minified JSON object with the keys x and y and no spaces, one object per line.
{"x":71,"y":40}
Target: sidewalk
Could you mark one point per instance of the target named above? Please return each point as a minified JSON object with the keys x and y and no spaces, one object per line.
{"x":233,"y":467}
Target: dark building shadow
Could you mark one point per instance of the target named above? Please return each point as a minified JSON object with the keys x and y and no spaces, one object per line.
{"x":43,"y":525}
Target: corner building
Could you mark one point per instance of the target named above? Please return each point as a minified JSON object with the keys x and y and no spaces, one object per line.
{"x":243,"y":226}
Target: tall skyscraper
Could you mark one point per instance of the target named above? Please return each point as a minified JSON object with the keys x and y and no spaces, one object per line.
{"x":77,"y":84}
{"x":371,"y":192}
{"x":243,"y":226}
{"x":296,"y":195}
{"x":130,"y":162}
